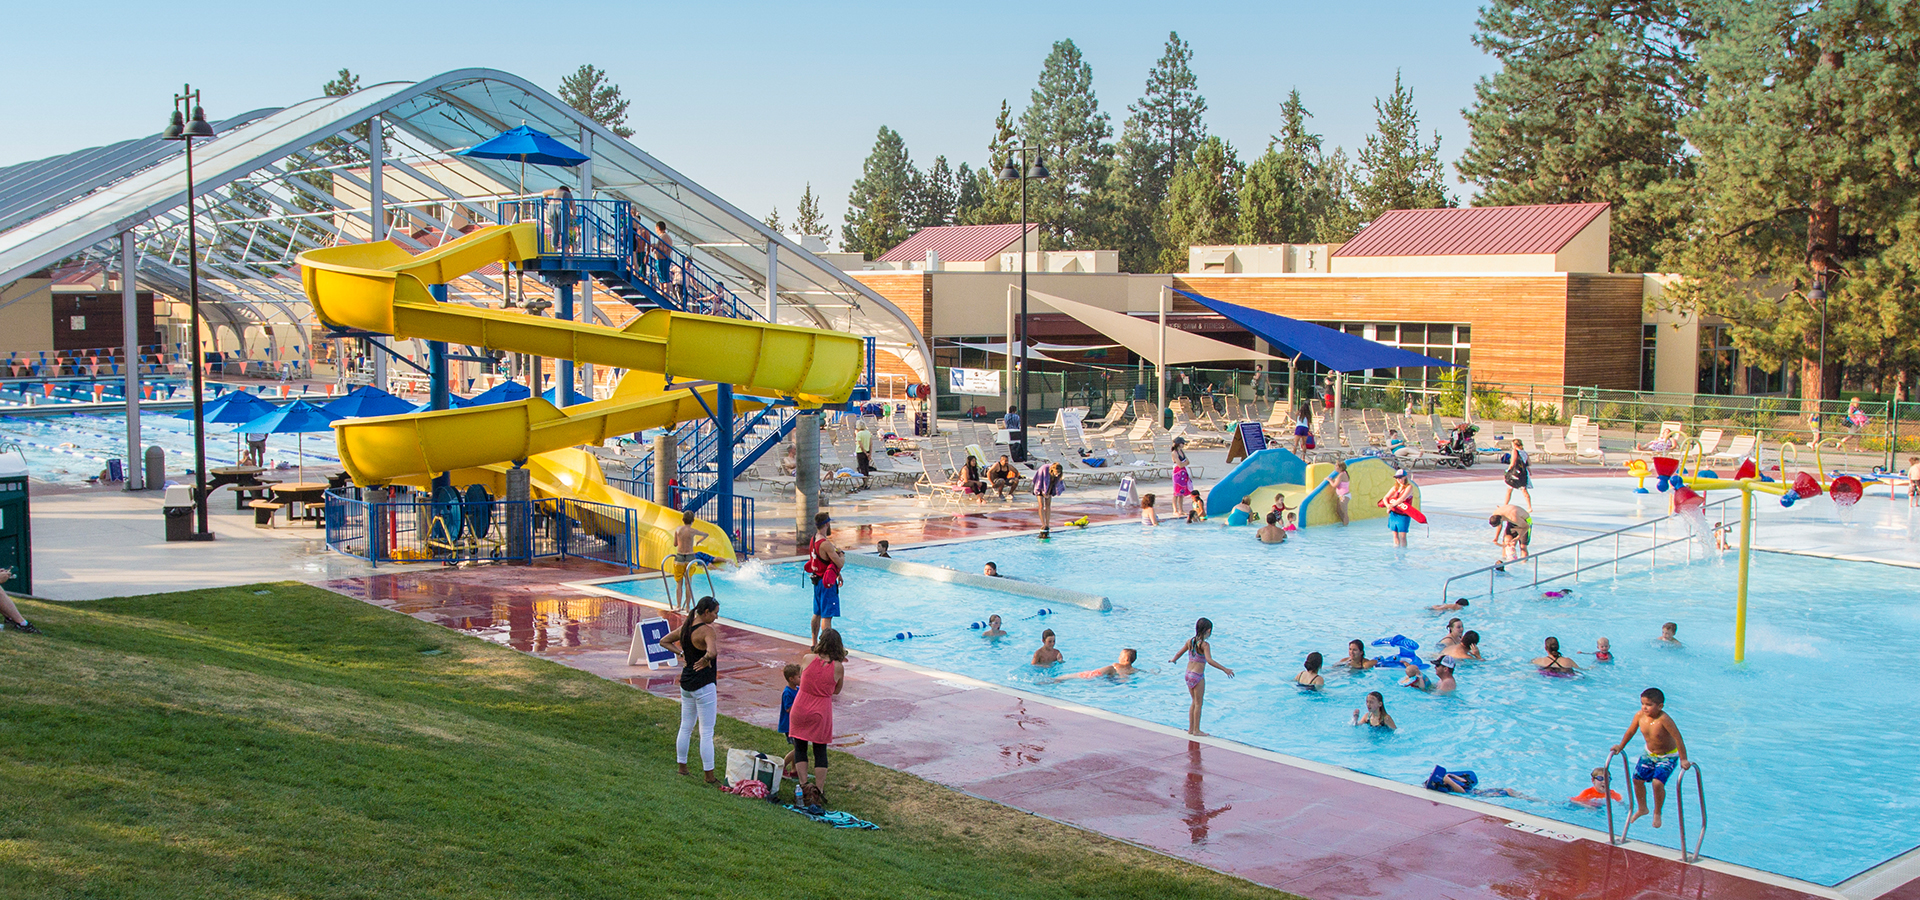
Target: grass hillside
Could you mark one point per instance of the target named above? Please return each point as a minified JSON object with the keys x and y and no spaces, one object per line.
{"x":280,"y":741}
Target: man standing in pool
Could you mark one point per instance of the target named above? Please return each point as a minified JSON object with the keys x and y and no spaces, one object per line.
{"x":1665,"y":748}
{"x":823,"y":563}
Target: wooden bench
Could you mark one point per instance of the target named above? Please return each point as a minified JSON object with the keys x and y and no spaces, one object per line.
{"x":263,"y":512}
{"x":243,"y":493}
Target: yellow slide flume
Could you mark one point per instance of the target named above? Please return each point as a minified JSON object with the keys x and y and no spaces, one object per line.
{"x":382,"y":288}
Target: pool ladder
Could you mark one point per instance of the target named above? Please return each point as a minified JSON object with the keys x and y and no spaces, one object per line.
{"x":666,"y":578}
{"x":1679,"y":805}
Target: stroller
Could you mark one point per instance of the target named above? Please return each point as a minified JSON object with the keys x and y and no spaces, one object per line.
{"x":1458,"y":451}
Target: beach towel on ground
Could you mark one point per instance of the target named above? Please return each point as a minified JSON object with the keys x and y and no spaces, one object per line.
{"x":836,"y":819}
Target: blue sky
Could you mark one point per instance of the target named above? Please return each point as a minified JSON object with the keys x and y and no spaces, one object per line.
{"x":752,"y":99}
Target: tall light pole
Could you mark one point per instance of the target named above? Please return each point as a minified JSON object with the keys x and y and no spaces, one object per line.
{"x":189,"y":121}
{"x":1037,"y":171}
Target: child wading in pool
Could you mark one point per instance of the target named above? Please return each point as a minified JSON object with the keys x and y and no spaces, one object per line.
{"x":1665,"y":748}
{"x":1047,"y":655}
{"x":1199,"y":656}
{"x":1376,"y":716}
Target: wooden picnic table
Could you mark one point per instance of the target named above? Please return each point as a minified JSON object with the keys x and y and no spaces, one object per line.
{"x":311,"y":495}
{"x":239,"y":477}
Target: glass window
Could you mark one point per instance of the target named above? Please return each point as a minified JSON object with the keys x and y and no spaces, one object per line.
{"x":1387,"y":334}
{"x":1463,"y":335}
{"x":1412,"y":333}
{"x":1649,"y":340}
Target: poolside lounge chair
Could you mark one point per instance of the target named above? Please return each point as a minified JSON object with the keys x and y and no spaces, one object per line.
{"x":1710,"y":441}
{"x":1741,"y":448}
{"x":1587,"y":446}
{"x":1555,"y":445}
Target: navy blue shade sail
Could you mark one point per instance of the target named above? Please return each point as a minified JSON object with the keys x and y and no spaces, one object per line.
{"x":1336,"y":350}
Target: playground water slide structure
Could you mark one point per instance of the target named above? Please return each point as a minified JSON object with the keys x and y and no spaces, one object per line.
{"x":379,"y":287}
{"x":1276,"y":471}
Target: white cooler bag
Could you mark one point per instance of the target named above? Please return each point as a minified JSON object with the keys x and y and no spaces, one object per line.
{"x":747,"y":765}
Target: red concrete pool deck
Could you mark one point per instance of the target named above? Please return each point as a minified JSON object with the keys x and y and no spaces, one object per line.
{"x":1240,"y":812}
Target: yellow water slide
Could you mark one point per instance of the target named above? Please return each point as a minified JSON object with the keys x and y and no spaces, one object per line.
{"x":380,"y":287}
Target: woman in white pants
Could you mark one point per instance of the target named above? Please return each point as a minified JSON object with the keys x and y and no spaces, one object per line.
{"x":697,"y":644}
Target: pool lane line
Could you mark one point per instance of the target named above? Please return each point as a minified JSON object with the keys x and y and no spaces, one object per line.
{"x":1542,"y":823}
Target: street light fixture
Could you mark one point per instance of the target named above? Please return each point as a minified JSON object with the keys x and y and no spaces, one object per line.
{"x":1035,"y":172}
{"x":182,"y":128}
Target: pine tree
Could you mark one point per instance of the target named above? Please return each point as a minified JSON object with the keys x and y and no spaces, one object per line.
{"x":939,"y":194}
{"x":1586,"y":108}
{"x":1805,"y":141}
{"x":1160,"y":133}
{"x":773,"y":220}
{"x":590,"y":92}
{"x":807,"y":218}
{"x":1202,"y":205}
{"x":880,"y":206}
{"x":1063,"y":120}
{"x":1401,"y":173}
{"x":1283,"y":194}
{"x":999,"y":202}
{"x":967,"y":196}
{"x":1340,"y":216}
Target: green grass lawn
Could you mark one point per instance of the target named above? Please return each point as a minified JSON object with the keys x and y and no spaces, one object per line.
{"x":282,"y":741}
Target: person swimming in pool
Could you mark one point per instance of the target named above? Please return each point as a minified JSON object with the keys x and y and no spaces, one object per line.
{"x":1602,"y":650}
{"x":1357,"y":657}
{"x":991,"y":570}
{"x":1272,"y":533}
{"x":1199,"y":654}
{"x":1455,"y":629}
{"x":1147,"y":515}
{"x":1309,"y":676}
{"x":1665,"y":750}
{"x":1468,"y":648}
{"x":993,"y":628}
{"x":1668,"y":632}
{"x":1443,"y":682}
{"x":1047,"y":655}
{"x":1598,"y":792}
{"x":1416,"y":678}
{"x":1455,"y":606}
{"x":1118,"y":670}
{"x":1242,"y":512}
{"x":1466,"y":783}
{"x":1554,"y":663}
{"x":1376,"y":716}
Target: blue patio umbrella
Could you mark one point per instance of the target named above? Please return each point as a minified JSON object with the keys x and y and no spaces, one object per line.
{"x":527,"y":146}
{"x":296,"y":418}
{"x":575,"y":398}
{"x":367,"y":400}
{"x":504,"y":392}
{"x":229,"y":408}
{"x":454,"y":401}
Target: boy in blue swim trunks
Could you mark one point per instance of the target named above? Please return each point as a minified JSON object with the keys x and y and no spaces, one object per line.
{"x":1665,"y":751}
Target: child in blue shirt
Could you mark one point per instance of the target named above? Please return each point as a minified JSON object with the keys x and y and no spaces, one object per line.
{"x":792,"y":672}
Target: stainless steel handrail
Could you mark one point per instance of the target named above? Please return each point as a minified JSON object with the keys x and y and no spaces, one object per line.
{"x":1680,"y":807}
{"x":1626,"y":796}
{"x":1534,"y":558}
{"x":667,"y":579}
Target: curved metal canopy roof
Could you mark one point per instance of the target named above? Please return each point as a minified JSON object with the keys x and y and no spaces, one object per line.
{"x":270,"y":186}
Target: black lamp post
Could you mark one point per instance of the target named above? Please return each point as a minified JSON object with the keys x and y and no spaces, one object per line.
{"x":1037,"y":171}
{"x":182,"y":128}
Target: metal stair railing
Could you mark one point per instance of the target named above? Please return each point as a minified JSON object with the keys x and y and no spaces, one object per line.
{"x":1620,"y":552}
{"x":1679,"y":803}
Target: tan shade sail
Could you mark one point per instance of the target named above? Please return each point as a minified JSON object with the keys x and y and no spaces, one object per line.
{"x":1142,"y":336}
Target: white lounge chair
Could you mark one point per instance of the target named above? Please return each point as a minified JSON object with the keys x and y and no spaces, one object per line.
{"x":1710,"y":441}
{"x":1587,"y":446}
{"x":1741,"y":448}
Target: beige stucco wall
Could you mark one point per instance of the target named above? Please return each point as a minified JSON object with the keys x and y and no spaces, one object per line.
{"x":26,"y":315}
{"x":1676,"y":349}
{"x":975,"y":303}
{"x":1262,"y":259}
{"x":1587,"y":252}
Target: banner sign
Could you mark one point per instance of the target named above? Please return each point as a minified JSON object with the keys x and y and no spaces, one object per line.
{"x":646,"y":644}
{"x":979,"y":382}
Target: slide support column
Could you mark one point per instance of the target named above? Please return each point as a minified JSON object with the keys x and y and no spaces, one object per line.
{"x":438,"y":396}
{"x":563,"y":379}
{"x":723,"y":459}
{"x":806,"y":475}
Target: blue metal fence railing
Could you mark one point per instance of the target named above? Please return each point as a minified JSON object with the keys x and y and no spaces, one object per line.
{"x":599,"y":531}
{"x":410,"y":528}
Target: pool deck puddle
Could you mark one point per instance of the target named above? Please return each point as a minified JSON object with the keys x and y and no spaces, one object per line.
{"x":1308,"y":828}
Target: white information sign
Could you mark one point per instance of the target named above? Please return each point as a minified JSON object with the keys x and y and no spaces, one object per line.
{"x":979,"y":382}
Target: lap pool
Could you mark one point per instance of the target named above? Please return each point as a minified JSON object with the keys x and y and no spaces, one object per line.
{"x":1807,"y":771}
{"x":73,"y":448}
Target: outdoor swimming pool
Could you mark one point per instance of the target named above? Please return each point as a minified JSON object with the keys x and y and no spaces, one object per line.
{"x":1803,"y":775}
{"x":75,"y":448}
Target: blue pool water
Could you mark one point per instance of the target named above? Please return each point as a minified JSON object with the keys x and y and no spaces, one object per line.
{"x":75,"y":448}
{"x":1806,"y":770}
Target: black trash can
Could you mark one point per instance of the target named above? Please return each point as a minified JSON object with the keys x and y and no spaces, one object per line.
{"x":178,"y":509}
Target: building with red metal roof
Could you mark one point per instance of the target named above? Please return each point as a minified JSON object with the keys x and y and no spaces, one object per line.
{"x":963,"y":244}
{"x":1559,"y":237}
